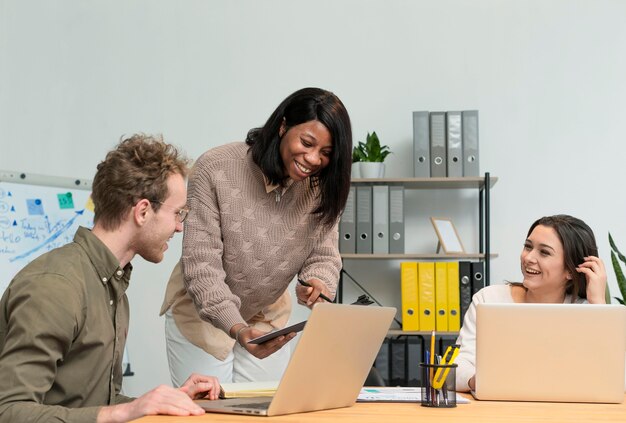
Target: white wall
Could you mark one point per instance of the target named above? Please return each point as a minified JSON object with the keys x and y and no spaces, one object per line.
{"x":546,"y":75}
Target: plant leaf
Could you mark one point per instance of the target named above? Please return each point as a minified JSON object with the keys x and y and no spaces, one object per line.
{"x":619,"y":274}
{"x":614,"y":247}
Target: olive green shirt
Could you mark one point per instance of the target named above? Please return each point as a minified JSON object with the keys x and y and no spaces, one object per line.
{"x":63,"y":326}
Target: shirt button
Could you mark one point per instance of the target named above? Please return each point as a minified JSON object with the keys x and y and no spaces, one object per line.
{"x":104,"y":279}
{"x":119,"y":273}
{"x":110,"y":302}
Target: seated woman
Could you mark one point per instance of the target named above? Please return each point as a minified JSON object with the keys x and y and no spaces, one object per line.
{"x":559,"y":263}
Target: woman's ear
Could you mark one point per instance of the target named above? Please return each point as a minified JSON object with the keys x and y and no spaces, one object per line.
{"x":283,"y":128}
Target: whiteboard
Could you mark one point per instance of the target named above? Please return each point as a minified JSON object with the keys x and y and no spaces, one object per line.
{"x":35,"y":219}
{"x":37,"y":214}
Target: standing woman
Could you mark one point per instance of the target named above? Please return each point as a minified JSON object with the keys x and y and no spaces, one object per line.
{"x":262,"y":212}
{"x":560,"y":264}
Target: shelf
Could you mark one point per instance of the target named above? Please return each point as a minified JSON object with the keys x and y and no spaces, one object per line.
{"x":409,"y":256}
{"x":431,"y":183}
{"x":400,"y":332}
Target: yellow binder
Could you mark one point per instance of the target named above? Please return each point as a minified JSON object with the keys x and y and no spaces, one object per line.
{"x":454,"y":303}
{"x":409,"y":292}
{"x":441,"y":296}
{"x":426,"y":288}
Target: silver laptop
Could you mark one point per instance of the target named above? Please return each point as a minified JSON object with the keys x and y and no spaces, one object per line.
{"x":328,"y":366}
{"x":550,"y":352}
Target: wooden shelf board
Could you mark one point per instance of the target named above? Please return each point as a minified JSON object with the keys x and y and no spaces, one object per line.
{"x":431,"y":183}
{"x":410,"y":256}
{"x":400,"y":332}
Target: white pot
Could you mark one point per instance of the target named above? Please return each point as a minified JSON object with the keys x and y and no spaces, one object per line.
{"x":356,"y":170}
{"x":372,"y":170}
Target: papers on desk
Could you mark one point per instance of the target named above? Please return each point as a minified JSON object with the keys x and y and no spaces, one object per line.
{"x":248,"y":389}
{"x":397,"y":394}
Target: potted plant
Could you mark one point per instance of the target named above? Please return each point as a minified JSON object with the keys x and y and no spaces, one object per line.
{"x":371,"y":155}
{"x":616,"y":256}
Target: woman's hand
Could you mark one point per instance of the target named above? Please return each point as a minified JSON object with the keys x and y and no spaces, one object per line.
{"x":265,"y":349}
{"x":309,"y":295}
{"x":593,"y":269}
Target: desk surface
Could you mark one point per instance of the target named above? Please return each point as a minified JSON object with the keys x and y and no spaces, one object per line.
{"x":483,"y":411}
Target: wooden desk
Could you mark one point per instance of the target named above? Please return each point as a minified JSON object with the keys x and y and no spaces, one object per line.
{"x":477,"y":411}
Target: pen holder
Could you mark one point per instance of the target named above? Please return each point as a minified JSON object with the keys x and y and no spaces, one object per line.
{"x":438,"y":385}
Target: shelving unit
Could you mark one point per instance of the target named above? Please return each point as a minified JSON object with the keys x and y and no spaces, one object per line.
{"x":482,"y":184}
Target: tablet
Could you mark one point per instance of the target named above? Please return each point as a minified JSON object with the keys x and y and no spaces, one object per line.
{"x":284,"y":331}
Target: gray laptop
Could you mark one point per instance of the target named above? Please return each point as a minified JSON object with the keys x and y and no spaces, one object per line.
{"x":328,"y":366}
{"x":550,"y":352}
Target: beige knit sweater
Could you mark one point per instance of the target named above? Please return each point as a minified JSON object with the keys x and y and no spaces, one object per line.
{"x":243,"y":243}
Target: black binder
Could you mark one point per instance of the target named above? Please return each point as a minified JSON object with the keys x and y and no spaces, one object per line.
{"x":465,"y":287}
{"x":478,"y":276}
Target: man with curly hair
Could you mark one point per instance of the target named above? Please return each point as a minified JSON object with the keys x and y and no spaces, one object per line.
{"x":64,"y":317}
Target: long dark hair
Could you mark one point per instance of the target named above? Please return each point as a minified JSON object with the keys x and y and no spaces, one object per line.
{"x":578,"y":242}
{"x":303,"y":106}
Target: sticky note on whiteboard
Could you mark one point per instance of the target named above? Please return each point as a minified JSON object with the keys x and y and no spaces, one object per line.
{"x":35,"y":206}
{"x":65,"y":200}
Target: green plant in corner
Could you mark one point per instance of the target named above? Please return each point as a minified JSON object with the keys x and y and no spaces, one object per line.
{"x":370,"y":150}
{"x":616,"y":256}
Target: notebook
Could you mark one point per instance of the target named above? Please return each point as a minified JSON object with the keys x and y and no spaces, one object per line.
{"x":328,"y":366}
{"x":550,"y":352}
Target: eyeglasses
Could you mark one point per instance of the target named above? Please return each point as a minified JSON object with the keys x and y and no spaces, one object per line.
{"x":181,"y":214}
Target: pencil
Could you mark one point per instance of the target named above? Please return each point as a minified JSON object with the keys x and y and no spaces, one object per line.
{"x":322,"y":296}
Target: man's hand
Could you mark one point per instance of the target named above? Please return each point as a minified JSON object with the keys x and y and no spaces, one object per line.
{"x":201,"y":386}
{"x":161,"y":400}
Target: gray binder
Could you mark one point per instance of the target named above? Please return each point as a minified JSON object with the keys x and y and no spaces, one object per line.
{"x":396,"y":219}
{"x":438,"y":144}
{"x":364,"y":219}
{"x":454,"y":146}
{"x":421,"y":145}
{"x":347,"y":225}
{"x":380,"y":219}
{"x":470,"y":143}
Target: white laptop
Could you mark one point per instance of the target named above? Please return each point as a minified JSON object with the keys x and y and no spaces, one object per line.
{"x":550,"y":352}
{"x":328,"y":366}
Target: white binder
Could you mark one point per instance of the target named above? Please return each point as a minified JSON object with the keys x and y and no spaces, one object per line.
{"x":396,"y":219}
{"x":364,"y":219}
{"x":454,"y":147}
{"x":438,"y":144}
{"x":421,"y":145}
{"x":380,"y":219}
{"x":347,"y":225}
{"x":470,"y":143}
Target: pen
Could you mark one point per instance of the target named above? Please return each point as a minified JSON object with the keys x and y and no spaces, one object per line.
{"x":432,"y":358}
{"x":432,"y":348}
{"x":442,"y":373}
{"x":322,"y":296}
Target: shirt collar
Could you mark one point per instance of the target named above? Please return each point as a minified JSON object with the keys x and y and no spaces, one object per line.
{"x":269,"y":187}
{"x":104,"y":262}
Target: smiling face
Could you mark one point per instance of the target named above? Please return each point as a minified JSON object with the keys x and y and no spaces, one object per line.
{"x":305,"y":149}
{"x":164,"y":223}
{"x":543,"y":263}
